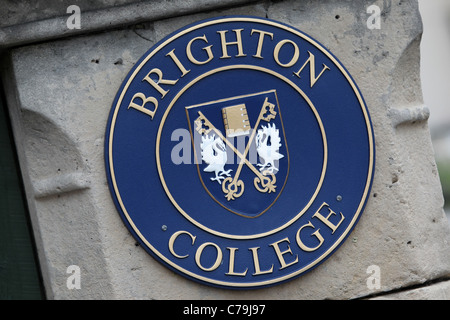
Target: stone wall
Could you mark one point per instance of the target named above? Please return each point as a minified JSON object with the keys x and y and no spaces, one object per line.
{"x":60,"y":85}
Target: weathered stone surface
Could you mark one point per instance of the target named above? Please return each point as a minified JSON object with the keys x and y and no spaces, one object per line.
{"x":23,"y":11}
{"x":439,"y":291}
{"x":404,"y":218}
{"x":24,"y":22}
{"x":61,"y":135}
{"x":64,"y":91}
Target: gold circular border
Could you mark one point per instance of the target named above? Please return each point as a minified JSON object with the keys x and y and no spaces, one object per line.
{"x":322,"y":130}
{"x":369,"y":173}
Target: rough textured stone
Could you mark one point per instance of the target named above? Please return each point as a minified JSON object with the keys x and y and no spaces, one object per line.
{"x":60,"y":94}
{"x":439,"y":291}
{"x":62,"y":127}
{"x":25,"y":21}
{"x":25,"y":11}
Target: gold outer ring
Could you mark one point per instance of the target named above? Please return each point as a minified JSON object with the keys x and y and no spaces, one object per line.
{"x":369,"y":172}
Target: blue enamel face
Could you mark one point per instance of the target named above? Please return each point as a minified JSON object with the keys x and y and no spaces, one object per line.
{"x":239,"y":152}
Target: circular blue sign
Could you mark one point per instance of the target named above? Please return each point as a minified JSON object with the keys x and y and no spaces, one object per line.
{"x":239,"y":152}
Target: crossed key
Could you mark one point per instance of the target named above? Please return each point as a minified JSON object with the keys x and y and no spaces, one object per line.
{"x":234,"y":187}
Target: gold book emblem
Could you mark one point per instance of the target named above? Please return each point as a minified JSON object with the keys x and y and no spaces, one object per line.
{"x":236,"y":121}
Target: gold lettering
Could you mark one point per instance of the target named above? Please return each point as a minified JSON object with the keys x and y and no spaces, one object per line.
{"x":177,"y":62}
{"x":207,"y":49}
{"x":156,"y":84}
{"x":172,"y":241}
{"x":238,"y":42}
{"x":141,"y":107}
{"x":277,"y":49}
{"x":280,"y":254}
{"x":312,"y":69}
{"x":315,"y":233}
{"x":260,"y":41}
{"x":198,"y":255}
{"x":231,"y":265}
{"x":256,"y":263}
{"x":326,"y":219}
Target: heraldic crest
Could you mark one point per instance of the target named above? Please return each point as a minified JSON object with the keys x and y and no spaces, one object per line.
{"x":241,"y":150}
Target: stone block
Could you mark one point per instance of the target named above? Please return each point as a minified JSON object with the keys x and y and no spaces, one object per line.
{"x":438,"y":291}
{"x":60,"y":93}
